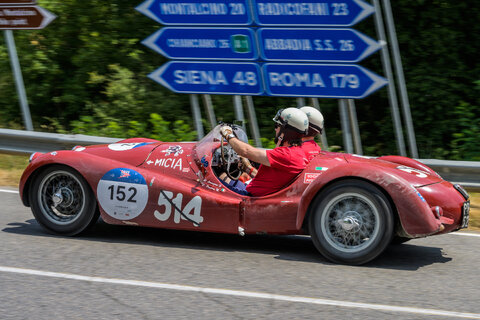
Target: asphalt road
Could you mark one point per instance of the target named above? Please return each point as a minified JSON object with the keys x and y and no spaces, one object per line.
{"x":140,"y":273}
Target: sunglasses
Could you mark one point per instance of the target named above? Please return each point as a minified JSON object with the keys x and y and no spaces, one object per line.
{"x":278,"y":115}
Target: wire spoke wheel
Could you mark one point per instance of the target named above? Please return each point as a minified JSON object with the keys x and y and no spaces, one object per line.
{"x":351,"y":222}
{"x":61,"y":197}
{"x":62,"y":201}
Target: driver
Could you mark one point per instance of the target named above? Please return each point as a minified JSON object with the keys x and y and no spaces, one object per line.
{"x":278,"y":166}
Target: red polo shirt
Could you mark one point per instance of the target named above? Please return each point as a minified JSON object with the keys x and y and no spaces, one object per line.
{"x":311,"y":149}
{"x":285,"y":164}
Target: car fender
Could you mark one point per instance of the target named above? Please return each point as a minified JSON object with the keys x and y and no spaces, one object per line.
{"x":95,"y":165}
{"x":413,"y":211}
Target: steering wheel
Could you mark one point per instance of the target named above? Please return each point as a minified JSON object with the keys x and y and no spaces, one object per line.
{"x":227,"y":156}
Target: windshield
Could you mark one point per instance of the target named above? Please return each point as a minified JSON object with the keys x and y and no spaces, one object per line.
{"x":212,"y":140}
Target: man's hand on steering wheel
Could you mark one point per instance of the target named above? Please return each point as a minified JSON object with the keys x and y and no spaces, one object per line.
{"x":227,"y":132}
{"x":247,"y":167}
{"x":227,"y":154}
{"x":245,"y":163}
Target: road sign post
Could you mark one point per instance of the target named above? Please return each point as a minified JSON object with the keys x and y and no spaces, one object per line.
{"x":401,"y":79}
{"x":14,"y":15}
{"x":274,"y":35}
{"x":17,"y":74}
{"x":392,"y":94}
{"x":345,"y":123}
{"x":207,"y":101}
{"x":197,"y":115}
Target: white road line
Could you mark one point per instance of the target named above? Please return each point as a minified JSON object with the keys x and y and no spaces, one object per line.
{"x":8,"y":191}
{"x":247,"y":294}
{"x":465,"y":234}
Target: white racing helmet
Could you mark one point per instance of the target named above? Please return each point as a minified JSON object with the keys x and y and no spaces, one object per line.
{"x":315,"y":120}
{"x":292,"y":118}
{"x":293,"y":124}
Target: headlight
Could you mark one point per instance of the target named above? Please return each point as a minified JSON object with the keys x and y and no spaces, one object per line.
{"x":437,"y":211}
{"x":33,"y":156}
{"x":462,"y":191}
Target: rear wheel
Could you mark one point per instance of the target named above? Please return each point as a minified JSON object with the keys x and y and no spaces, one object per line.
{"x":351,"y":222}
{"x":62,"y":201}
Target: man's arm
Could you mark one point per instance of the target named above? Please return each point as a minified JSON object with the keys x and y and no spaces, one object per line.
{"x":244,"y":149}
{"x":247,"y":151}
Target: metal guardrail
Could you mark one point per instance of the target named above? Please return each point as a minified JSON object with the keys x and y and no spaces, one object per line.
{"x":26,"y":142}
{"x":466,"y":173}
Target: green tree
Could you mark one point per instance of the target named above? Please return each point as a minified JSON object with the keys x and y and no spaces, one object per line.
{"x":87,"y":72}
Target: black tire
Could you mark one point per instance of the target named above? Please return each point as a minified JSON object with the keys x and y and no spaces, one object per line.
{"x":351,"y":222}
{"x":62,"y":201}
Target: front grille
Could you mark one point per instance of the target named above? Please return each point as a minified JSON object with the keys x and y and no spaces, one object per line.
{"x":462,"y":191}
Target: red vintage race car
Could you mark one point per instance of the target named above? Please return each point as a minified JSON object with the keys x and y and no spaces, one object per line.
{"x":352,"y":206}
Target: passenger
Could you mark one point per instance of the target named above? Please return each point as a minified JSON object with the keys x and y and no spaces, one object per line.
{"x":279,"y":166}
{"x":315,"y":127}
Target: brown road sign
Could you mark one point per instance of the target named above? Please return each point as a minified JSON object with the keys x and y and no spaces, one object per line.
{"x":31,"y":17}
{"x":16,"y":2}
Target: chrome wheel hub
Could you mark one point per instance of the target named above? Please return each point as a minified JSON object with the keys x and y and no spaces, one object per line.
{"x":57,"y":199}
{"x":63,"y":197}
{"x":350,"y":222}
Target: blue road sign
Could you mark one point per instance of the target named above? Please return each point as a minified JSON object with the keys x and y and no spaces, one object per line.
{"x":318,"y":80}
{"x":315,"y":45}
{"x":210,"y":77}
{"x":310,"y":12}
{"x":204,"y":43}
{"x":198,"y":12}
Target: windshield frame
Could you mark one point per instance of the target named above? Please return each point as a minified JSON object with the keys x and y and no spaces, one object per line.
{"x":207,"y":145}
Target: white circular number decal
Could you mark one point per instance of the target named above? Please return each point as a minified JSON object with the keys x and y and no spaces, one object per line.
{"x":122,"y":193}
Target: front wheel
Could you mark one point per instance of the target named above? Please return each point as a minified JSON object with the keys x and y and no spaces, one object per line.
{"x":351,"y":222}
{"x":62,"y":201}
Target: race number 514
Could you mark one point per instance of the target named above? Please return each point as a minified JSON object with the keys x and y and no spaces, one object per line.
{"x":169,"y":204}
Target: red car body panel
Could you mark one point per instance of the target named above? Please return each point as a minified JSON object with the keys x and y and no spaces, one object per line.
{"x":181,"y":191}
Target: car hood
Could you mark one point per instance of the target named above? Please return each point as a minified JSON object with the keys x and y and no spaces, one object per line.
{"x":130,"y":151}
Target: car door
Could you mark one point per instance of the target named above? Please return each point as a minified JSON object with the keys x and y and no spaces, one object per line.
{"x":185,"y":194}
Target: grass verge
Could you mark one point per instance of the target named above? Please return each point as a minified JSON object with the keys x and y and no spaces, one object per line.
{"x":11,"y":169}
{"x":474,"y":223}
